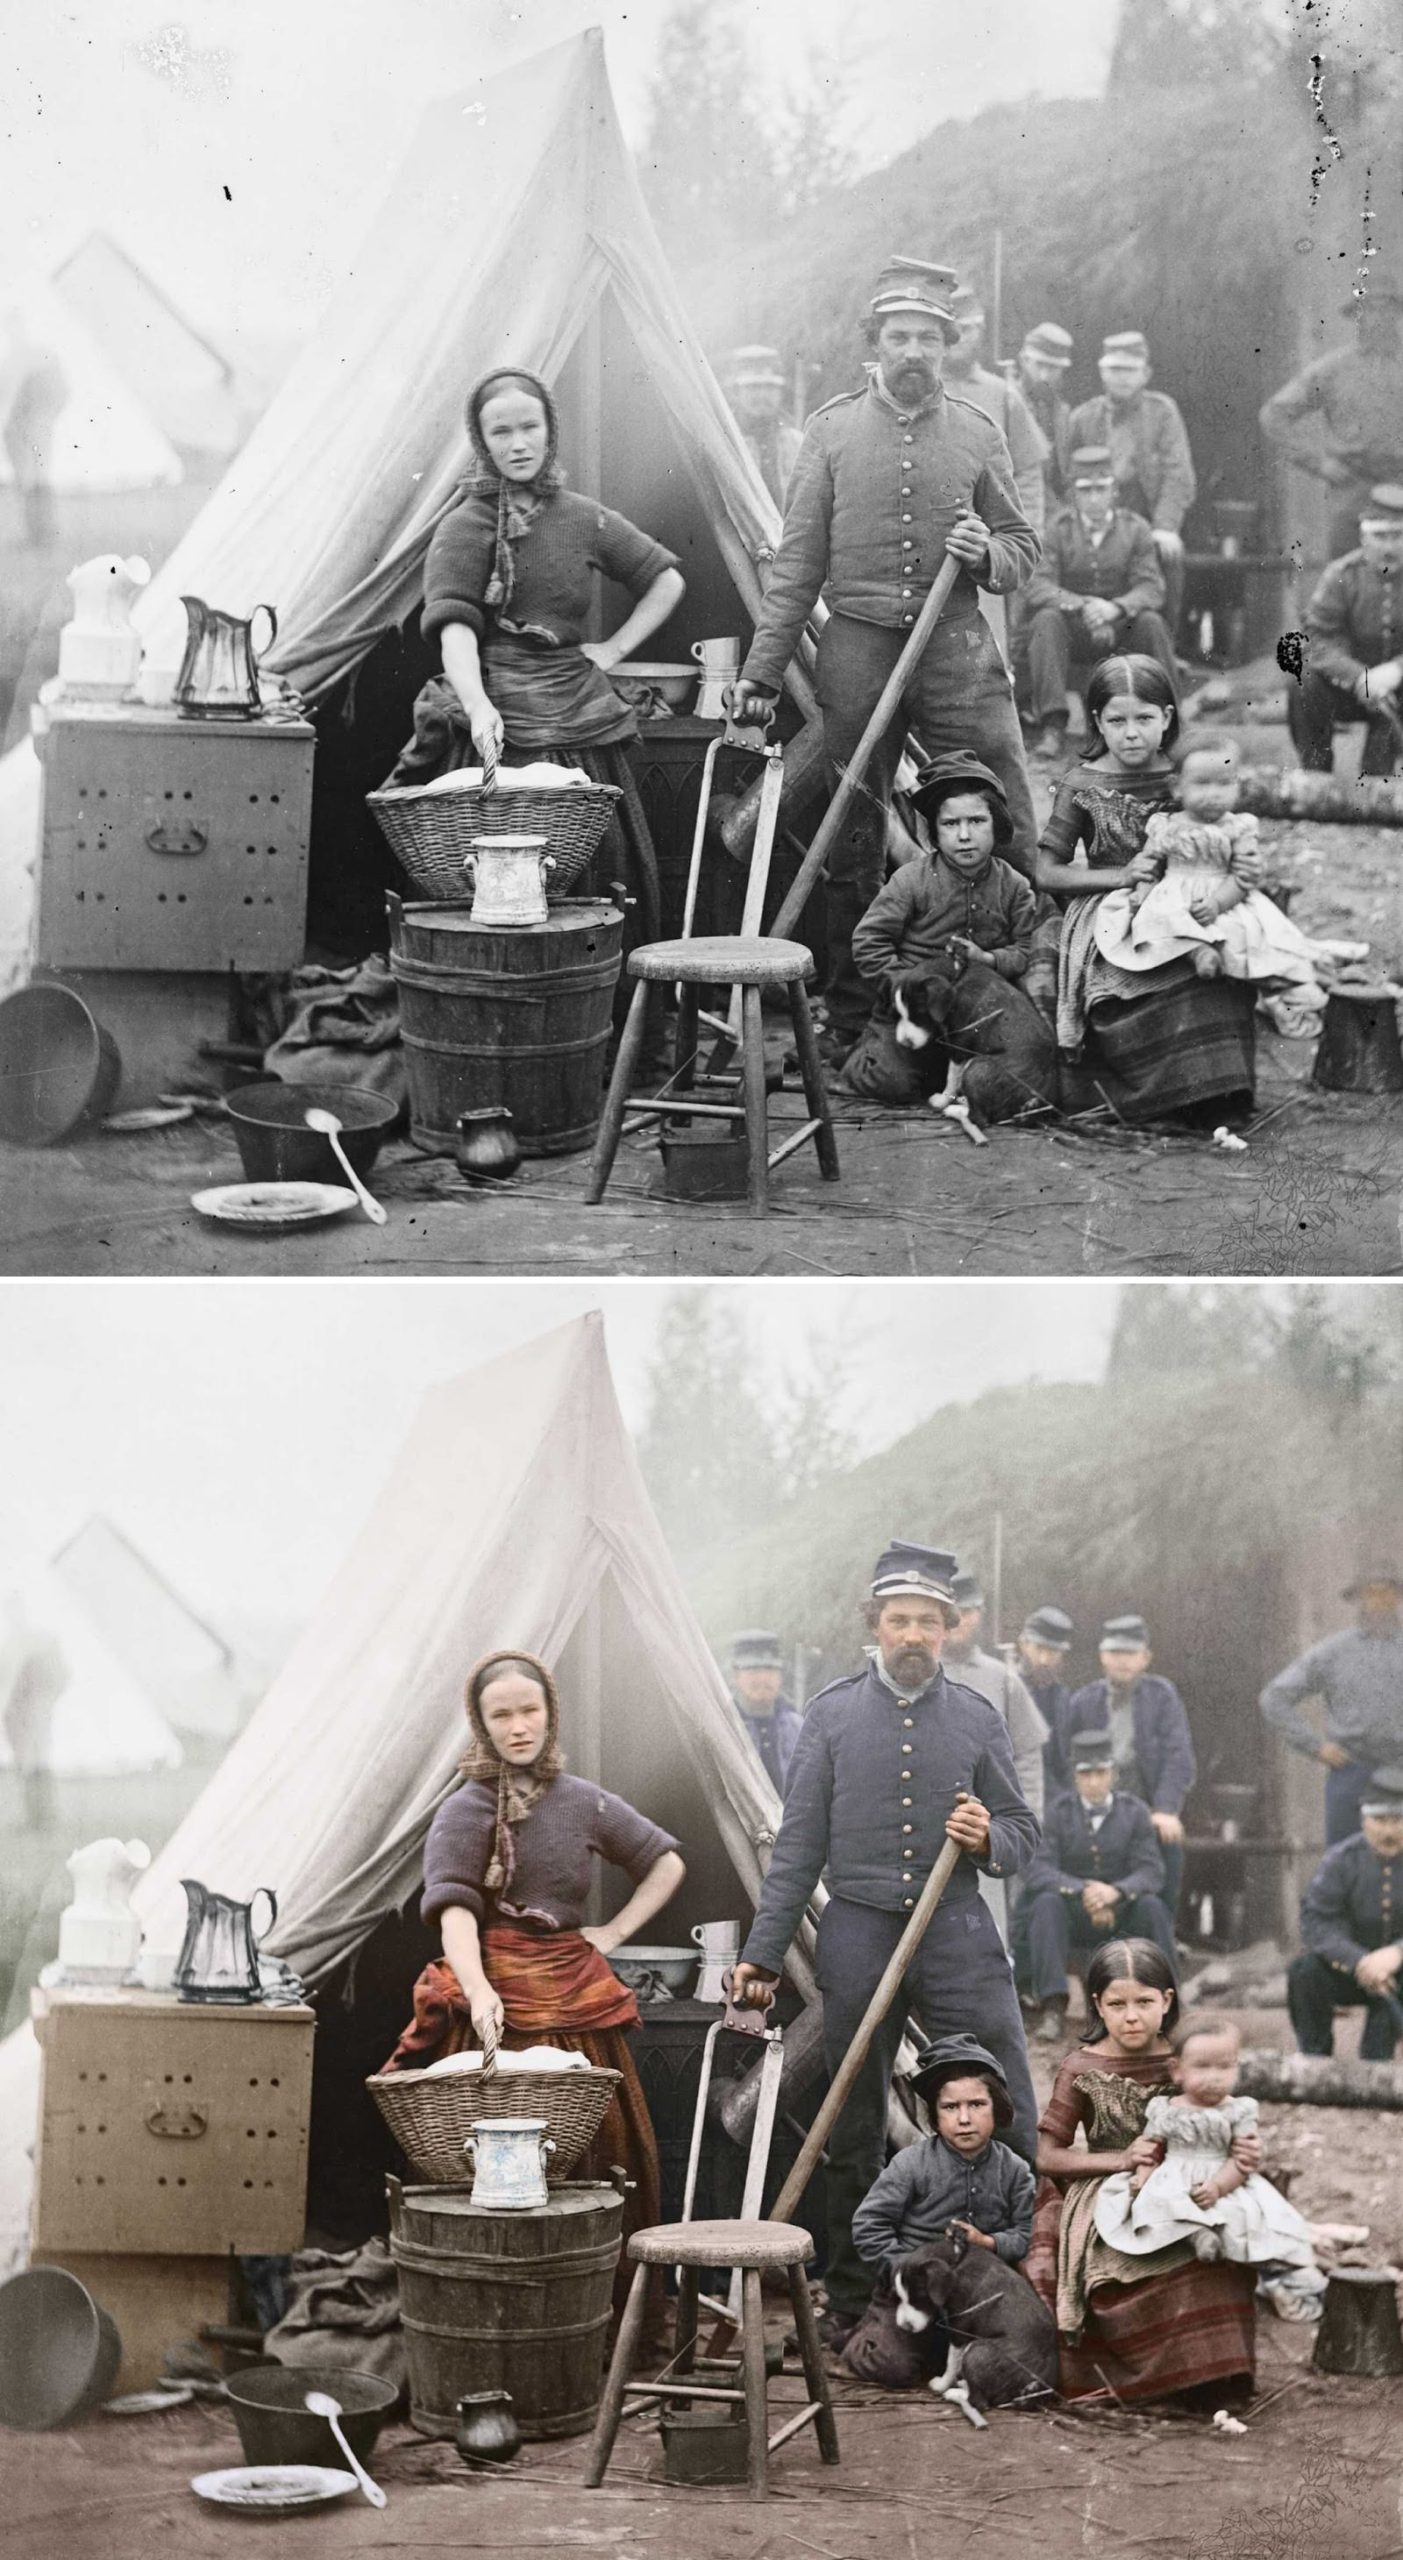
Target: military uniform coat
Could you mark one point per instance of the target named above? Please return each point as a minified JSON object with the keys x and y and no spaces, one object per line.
{"x":1149,"y":448}
{"x":1354,"y":620}
{"x":1164,"y":1748}
{"x":775,"y":1737}
{"x":1352,"y":1904}
{"x":1123,"y":567}
{"x":1122,"y":1849}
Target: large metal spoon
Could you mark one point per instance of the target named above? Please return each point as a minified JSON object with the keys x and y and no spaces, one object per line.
{"x":322,"y":2405}
{"x":330,"y":1128}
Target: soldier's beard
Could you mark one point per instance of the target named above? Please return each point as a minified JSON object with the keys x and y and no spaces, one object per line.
{"x":912,"y":381}
{"x":913,"y":1663}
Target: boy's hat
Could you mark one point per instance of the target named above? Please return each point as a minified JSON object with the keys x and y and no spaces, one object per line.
{"x":962,"y":771}
{"x":1092,"y":1751}
{"x":961,"y":2057}
{"x":1049,"y":1626}
{"x":1051,"y":341}
{"x":1124,"y":1635}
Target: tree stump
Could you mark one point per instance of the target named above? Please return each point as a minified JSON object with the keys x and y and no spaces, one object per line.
{"x":1359,"y":1050}
{"x":1320,"y":2080}
{"x":1359,"y":2330}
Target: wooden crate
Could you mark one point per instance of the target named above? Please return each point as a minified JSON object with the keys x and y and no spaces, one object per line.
{"x":156,"y":2302}
{"x":170,"y":2129}
{"x":172,"y":844}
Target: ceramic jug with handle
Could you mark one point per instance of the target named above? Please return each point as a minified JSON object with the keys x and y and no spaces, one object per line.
{"x":99,"y":653}
{"x":507,"y":2156}
{"x":218,"y":677}
{"x":99,"y":1935}
{"x":218,"y":1961}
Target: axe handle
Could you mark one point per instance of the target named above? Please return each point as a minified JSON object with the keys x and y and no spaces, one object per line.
{"x":892,"y":691}
{"x":853,"y":2060}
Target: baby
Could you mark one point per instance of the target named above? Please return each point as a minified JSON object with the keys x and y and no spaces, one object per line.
{"x":1198,"y":2193}
{"x":1206,"y":905}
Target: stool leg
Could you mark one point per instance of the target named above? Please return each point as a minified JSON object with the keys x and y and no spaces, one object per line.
{"x":752,"y":2336}
{"x":684,"y":1055}
{"x":757,"y":1127}
{"x":811,"y":2357}
{"x":606,"y":1145}
{"x":684,"y":2336}
{"x":606,"y":2425}
{"x":815,"y":1092}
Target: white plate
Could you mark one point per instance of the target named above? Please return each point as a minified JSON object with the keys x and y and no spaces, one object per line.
{"x":140,"y":2404}
{"x":274,"y":2489}
{"x":266,"y":1205}
{"x":154,"y":1115}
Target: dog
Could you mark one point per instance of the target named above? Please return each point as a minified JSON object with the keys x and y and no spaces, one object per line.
{"x":976,"y":1041}
{"x":1001,"y":2339}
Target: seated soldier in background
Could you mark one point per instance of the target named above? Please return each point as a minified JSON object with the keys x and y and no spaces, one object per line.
{"x":754,"y":383}
{"x":1097,"y":591}
{"x":772,"y":1720}
{"x":1354,"y":645}
{"x":1150,"y":454}
{"x":1150,"y":1737}
{"x":1352,"y":1932}
{"x":1097,"y":1873}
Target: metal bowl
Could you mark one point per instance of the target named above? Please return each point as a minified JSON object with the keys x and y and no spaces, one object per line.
{"x":275,"y":1144}
{"x":670,"y":1966}
{"x":59,"y":2353}
{"x":655,"y":684}
{"x":274,"y":2426}
{"x":58,"y":1067}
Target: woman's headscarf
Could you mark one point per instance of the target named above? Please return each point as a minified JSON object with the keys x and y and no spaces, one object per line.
{"x":517,"y":1789}
{"x":518,"y":502}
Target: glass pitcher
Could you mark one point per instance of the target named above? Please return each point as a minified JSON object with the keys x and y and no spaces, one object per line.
{"x":218,"y":677}
{"x":219,"y":1957}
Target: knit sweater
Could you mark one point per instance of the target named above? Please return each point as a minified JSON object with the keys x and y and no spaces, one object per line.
{"x":926,"y":900}
{"x":574,"y":1822}
{"x":928,"y":2185}
{"x":567,"y":542}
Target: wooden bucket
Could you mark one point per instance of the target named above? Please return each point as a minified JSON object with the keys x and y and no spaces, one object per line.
{"x":517,"y":2302}
{"x":508,"y":1014}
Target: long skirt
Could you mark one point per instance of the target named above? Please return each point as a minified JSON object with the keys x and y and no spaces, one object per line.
{"x":1178,"y":2330}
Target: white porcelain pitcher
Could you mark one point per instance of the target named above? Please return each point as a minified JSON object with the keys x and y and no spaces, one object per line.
{"x":99,"y":1935}
{"x":99,"y":654}
{"x":507,"y":2156}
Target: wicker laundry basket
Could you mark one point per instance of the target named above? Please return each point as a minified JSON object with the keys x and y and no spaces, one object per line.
{"x":432,"y":2114}
{"x":431,"y":832}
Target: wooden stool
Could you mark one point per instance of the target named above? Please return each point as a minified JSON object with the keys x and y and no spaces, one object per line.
{"x":729,"y":959}
{"x":690,"y":2246}
{"x":1359,"y":1050}
{"x":1359,"y":2330}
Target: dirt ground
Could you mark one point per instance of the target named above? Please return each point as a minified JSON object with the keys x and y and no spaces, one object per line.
{"x":1319,"y":2469}
{"x":1318,"y":1193}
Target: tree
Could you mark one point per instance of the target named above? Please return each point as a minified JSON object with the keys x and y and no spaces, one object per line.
{"x":719,"y":167}
{"x":724,"y":1446}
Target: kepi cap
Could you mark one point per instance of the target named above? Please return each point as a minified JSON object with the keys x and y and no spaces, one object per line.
{"x":1384,"y":1792}
{"x":1049,"y":340}
{"x":966,"y":303}
{"x":1092,"y":1751}
{"x":755,"y":364}
{"x":1130,"y":343}
{"x":1092,"y":462}
{"x":1384,"y":505}
{"x":967,"y":1591}
{"x":961,"y":2057}
{"x":1049,"y":1626}
{"x":926,"y":1573}
{"x":914,"y":284}
{"x":1124,"y":1635}
{"x":756,"y":1649}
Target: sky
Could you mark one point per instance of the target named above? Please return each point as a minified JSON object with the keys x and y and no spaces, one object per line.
{"x":240,"y":1431}
{"x":238,"y":148}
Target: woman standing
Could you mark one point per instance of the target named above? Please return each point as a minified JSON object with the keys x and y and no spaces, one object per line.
{"x":1165,"y":2326}
{"x":508,"y":1865}
{"x":508,"y":585}
{"x":1154,"y":1043}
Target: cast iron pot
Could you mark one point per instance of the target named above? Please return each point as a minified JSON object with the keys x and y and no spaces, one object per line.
{"x":274,"y":2426}
{"x":270,"y":1130}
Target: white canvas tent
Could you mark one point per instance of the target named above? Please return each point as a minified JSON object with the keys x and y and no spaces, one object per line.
{"x":184,"y":382}
{"x":516,"y":1515}
{"x":515,"y":232}
{"x":179,"y":1662}
{"x":104,"y":436}
{"x":102,"y":1723}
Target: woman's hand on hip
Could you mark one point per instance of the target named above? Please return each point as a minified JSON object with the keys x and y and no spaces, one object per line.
{"x":605,"y":1938}
{"x":600,"y":653}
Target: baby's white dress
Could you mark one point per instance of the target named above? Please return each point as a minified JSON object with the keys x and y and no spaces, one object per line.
{"x":1254,"y":940}
{"x":1253,"y":2226}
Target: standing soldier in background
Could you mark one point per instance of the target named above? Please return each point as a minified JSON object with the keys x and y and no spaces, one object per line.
{"x":1039,"y":371}
{"x":1001,"y":399}
{"x":1001,"y":1685}
{"x":1038,"y":1658}
{"x":772,"y":1720}
{"x":1150,"y":457}
{"x":1358,"y":1677}
{"x":754,"y":383}
{"x":890,"y":479}
{"x":1341,"y":418}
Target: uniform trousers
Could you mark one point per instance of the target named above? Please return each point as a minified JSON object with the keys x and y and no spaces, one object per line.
{"x":959,"y":695}
{"x":1060,"y":648}
{"x":959,"y":1980}
{"x":1345,"y":1791}
{"x":1316,"y":708}
{"x":1315,"y":1989}
{"x":1055,"y":1923}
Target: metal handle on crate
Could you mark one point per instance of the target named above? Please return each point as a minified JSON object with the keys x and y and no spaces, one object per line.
{"x":188,"y":839}
{"x":179,"y":2122}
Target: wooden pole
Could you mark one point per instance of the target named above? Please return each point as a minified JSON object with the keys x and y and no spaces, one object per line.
{"x":802,"y":885}
{"x":858,"y":2050}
